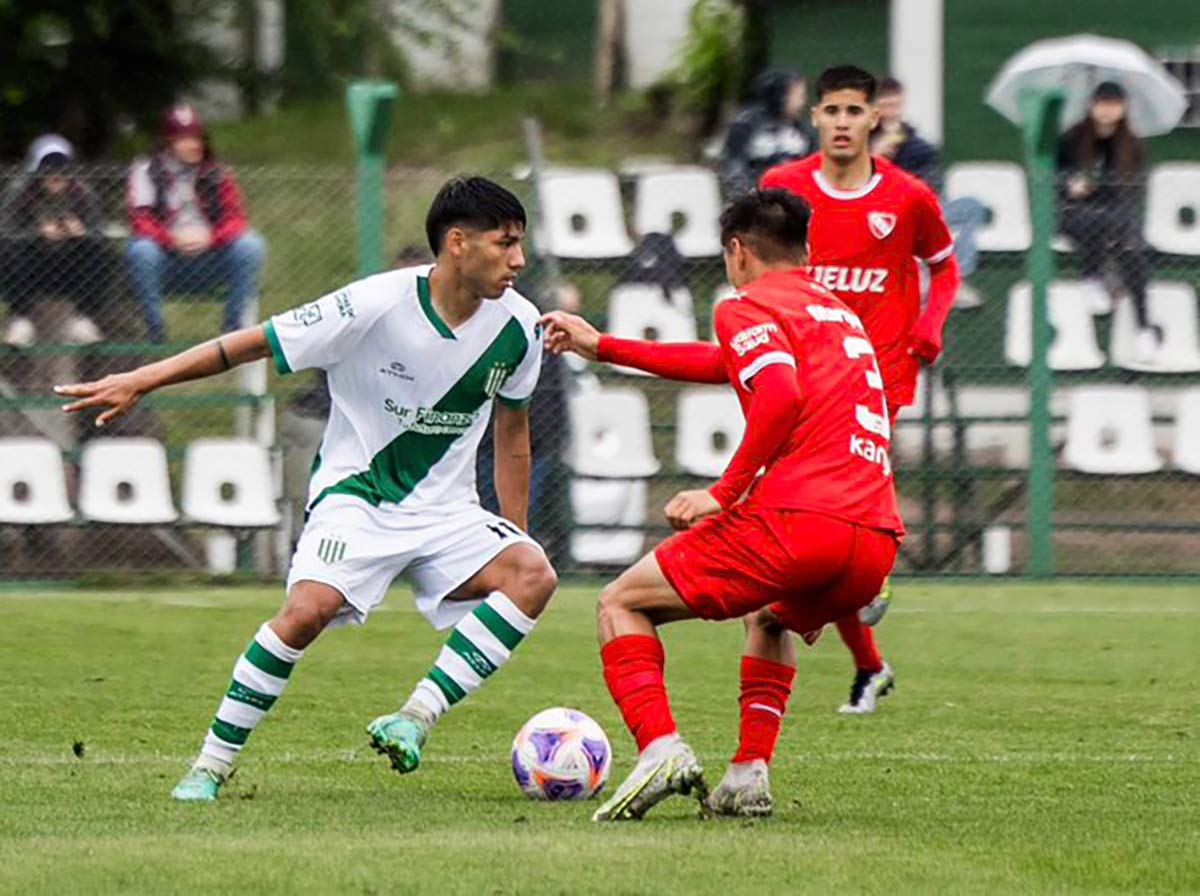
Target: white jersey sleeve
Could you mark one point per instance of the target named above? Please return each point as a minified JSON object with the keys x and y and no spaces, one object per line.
{"x":517,"y":390}
{"x":322,"y":333}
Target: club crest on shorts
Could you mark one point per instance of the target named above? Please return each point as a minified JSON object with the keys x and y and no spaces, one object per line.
{"x":495,"y":379}
{"x":881,"y":223}
{"x":331,"y":550}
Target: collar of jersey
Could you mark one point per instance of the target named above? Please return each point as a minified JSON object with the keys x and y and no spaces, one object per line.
{"x":426,"y":301}
{"x":830,"y":190}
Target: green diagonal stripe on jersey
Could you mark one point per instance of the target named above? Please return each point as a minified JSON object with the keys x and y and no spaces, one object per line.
{"x":267,"y":661}
{"x":498,"y":626}
{"x":472,"y":655}
{"x":406,"y":460}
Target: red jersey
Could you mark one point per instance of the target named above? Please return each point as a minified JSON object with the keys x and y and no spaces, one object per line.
{"x":864,"y":245}
{"x":835,"y":462}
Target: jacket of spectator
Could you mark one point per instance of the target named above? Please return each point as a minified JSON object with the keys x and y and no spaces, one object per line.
{"x":917,"y":156}
{"x":1112,"y":167}
{"x":26,"y":205}
{"x":766,"y":132}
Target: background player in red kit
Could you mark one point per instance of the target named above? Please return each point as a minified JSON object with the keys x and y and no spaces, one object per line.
{"x":871,"y":223}
{"x":808,"y":542}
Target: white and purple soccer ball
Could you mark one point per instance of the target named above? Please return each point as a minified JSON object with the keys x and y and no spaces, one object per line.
{"x":561,"y":754}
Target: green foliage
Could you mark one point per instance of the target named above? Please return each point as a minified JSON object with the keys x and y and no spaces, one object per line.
{"x":710,"y":66}
{"x":330,"y":42}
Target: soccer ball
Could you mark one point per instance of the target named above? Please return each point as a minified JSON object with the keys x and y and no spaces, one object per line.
{"x":561,"y":754}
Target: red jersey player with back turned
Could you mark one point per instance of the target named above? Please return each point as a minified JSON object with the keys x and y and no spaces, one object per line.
{"x":871,"y":223}
{"x":808,"y":542}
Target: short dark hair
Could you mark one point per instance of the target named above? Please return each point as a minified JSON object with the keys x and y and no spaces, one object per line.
{"x":474,"y":202}
{"x":846,"y":77}
{"x":772,"y":223}
{"x":889,"y":86}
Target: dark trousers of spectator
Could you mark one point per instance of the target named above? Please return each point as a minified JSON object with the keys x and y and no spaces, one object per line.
{"x":154,"y":271}
{"x":78,"y":270}
{"x":1100,"y":232}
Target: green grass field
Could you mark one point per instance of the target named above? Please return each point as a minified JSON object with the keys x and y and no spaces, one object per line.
{"x":1042,"y":739}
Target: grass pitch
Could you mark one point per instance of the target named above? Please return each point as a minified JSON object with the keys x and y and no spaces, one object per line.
{"x":1042,"y":739}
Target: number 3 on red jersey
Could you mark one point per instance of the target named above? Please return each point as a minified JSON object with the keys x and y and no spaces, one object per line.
{"x":857,"y":347}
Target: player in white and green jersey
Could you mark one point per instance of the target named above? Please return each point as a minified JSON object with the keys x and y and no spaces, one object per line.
{"x":415,"y":358}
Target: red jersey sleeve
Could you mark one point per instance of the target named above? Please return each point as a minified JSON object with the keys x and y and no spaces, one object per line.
{"x":934,"y":242}
{"x":751,"y":340}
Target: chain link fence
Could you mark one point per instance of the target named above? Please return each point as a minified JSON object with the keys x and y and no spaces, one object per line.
{"x":610,"y":446}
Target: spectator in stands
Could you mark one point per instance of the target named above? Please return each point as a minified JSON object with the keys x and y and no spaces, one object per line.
{"x":1101,"y":174}
{"x":771,"y":129}
{"x":190,"y":231}
{"x":50,"y":221}
{"x":896,"y":139}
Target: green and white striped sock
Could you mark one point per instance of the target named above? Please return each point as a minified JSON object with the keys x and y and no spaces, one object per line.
{"x":259,"y":677}
{"x":479,"y":645}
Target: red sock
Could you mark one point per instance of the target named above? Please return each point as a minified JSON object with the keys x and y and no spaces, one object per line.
{"x":860,"y":641}
{"x":766,"y":687}
{"x":633,"y":671}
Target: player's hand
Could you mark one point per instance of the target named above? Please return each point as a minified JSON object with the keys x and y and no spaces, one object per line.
{"x":925,"y":348}
{"x":570,"y":333}
{"x":689,"y":507}
{"x":118,"y":392}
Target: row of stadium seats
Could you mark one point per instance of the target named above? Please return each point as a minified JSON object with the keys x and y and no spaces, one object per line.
{"x":227,"y":483}
{"x":581,"y":214}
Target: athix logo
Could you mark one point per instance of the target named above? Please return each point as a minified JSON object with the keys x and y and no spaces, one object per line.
{"x":495,"y":379}
{"x":398,"y":370}
{"x":881,"y":223}
{"x":331,"y":550}
{"x":752,"y":337}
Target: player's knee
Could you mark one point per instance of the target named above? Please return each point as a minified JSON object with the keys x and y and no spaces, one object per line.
{"x":613,"y":602}
{"x":301,"y":620}
{"x":533,"y":581}
{"x":764,"y":621}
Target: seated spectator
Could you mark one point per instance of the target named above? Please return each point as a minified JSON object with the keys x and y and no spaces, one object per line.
{"x":50,"y":221}
{"x":897,"y":140}
{"x":1101,"y":173}
{"x":773,"y":128}
{"x":190,"y":231}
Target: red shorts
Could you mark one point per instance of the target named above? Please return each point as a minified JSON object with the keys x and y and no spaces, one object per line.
{"x":810,"y":569}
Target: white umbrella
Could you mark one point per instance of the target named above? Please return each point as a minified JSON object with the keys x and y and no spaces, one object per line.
{"x":1077,"y":64}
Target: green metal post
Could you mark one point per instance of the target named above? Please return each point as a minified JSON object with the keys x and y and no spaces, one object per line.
{"x":1041,"y":111}
{"x":370,"y":106}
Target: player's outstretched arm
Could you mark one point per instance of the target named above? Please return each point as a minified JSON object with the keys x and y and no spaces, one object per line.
{"x":513,"y":461}
{"x":118,"y":393}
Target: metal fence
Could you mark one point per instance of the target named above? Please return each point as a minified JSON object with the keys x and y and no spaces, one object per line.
{"x":611,"y":446}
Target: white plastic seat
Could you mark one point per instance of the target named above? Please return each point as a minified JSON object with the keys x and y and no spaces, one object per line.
{"x":1110,"y":431}
{"x":614,"y":502}
{"x":1186,"y":449}
{"x":33,"y":486}
{"x":640,"y":311}
{"x":688,"y":192}
{"x":1174,"y":187}
{"x":1073,"y":345}
{"x":1172,"y":306}
{"x":229,"y":482}
{"x":708,"y":428}
{"x":1000,"y":186}
{"x":610,"y":434}
{"x":581,"y":215}
{"x":125,"y":481}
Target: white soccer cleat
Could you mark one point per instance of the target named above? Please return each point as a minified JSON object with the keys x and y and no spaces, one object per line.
{"x":744,"y":792}
{"x":667,"y":766}
{"x":867,"y":689}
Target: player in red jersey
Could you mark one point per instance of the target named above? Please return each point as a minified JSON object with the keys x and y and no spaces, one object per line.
{"x":871,"y":223}
{"x":808,"y":542}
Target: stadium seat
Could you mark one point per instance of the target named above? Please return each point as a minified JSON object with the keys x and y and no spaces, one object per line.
{"x":229,"y":483}
{"x":614,"y":502}
{"x":708,"y":427}
{"x":1110,"y":431}
{"x":1173,"y":208}
{"x":581,"y":215}
{"x":1000,"y":186}
{"x":125,"y":481}
{"x":640,"y":311}
{"x":1186,"y":451}
{"x":610,"y":434}
{"x":688,"y":193}
{"x":1073,"y":345}
{"x":33,"y":486}
{"x":1172,"y":306}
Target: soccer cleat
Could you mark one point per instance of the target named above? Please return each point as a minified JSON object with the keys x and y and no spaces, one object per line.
{"x":400,"y":737}
{"x":199,"y":785}
{"x":744,"y":792}
{"x":672,"y":769}
{"x":872,"y":614}
{"x":868,"y":687}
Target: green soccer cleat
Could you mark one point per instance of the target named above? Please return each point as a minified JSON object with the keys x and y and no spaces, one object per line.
{"x":744,"y":792}
{"x":400,"y":737}
{"x":872,"y":614}
{"x":199,"y":785}
{"x":671,"y":769}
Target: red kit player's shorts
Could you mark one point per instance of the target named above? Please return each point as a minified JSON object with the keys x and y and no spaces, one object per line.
{"x":809,"y":568}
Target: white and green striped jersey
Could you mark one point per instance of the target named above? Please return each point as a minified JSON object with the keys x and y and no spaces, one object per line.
{"x":410,"y":396}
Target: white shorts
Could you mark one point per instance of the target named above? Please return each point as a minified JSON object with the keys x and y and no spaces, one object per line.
{"x":359,"y":549}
